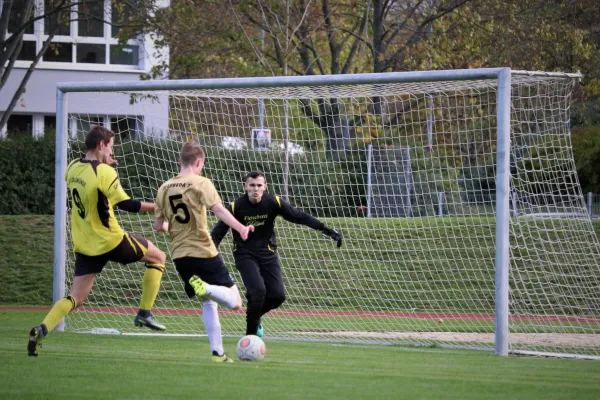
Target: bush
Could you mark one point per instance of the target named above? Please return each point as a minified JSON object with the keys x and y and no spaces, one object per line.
{"x":586,"y":149}
{"x":27,"y":174}
{"x":327,"y":187}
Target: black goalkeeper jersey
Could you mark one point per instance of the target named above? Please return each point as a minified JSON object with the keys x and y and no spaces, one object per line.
{"x":262,"y":216}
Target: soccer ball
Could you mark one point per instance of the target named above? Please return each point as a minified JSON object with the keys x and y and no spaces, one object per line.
{"x":251,"y":348}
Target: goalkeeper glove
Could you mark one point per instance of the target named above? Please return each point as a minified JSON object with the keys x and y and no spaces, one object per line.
{"x":335,"y":235}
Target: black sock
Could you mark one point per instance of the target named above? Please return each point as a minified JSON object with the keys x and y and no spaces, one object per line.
{"x":144,"y":313}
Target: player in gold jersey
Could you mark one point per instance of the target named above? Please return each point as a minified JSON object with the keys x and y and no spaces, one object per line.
{"x":97,"y":236}
{"x":181,"y":204}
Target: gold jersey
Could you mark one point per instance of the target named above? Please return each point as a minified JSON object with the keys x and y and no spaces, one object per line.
{"x":95,"y":189}
{"x":183,"y":201}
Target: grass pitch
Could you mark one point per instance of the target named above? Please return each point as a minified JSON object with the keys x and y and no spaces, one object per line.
{"x":75,"y":366}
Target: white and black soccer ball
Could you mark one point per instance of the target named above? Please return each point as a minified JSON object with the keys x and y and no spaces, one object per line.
{"x":251,"y":348}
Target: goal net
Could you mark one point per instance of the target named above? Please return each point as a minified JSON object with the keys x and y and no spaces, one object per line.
{"x":406,"y":170}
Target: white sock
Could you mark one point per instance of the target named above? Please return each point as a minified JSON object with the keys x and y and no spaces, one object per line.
{"x":210,"y":316}
{"x":226,"y":297}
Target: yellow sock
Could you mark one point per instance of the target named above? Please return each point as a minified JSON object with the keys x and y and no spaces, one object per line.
{"x":58,"y":312}
{"x":150,"y":285}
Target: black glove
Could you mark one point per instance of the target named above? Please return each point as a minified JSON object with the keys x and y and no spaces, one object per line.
{"x":335,"y":235}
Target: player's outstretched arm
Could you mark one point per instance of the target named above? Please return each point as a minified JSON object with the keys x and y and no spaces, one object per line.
{"x":136,"y":206}
{"x":218,"y":232}
{"x":160,"y":225}
{"x":147,"y":207}
{"x":298,"y":216}
{"x":335,"y":235}
{"x":224,"y":215}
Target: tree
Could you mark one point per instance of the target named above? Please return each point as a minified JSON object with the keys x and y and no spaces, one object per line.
{"x":201,"y":37}
{"x":527,"y":35}
{"x":586,"y":150}
{"x":323,"y":37}
{"x":18,"y":17}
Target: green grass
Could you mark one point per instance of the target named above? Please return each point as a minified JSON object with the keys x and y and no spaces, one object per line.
{"x":426,"y":275}
{"x":26,"y":259}
{"x":74,"y":366}
{"x":455,"y":272}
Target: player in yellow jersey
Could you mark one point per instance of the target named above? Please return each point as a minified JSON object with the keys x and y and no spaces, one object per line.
{"x":181,"y":204}
{"x":97,"y":236}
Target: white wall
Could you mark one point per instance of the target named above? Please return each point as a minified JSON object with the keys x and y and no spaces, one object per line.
{"x":40,"y":93}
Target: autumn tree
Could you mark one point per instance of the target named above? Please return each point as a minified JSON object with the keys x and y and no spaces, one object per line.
{"x":324,"y":37}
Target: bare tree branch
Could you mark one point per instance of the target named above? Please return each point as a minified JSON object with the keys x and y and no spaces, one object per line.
{"x":4,"y":18}
{"x":25,"y":79}
{"x":357,"y":41}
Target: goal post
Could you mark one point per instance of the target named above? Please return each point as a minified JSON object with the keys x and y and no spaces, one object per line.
{"x":464,"y":222}
{"x":502,"y":211}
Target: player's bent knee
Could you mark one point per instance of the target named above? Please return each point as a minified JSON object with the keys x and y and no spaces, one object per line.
{"x":258,"y":293}
{"x":162,"y":257}
{"x":238,"y":298}
{"x":279,"y":300}
{"x":74,"y":301}
{"x":155,"y":255}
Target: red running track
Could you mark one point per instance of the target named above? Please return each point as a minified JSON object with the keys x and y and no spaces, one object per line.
{"x":356,"y":314}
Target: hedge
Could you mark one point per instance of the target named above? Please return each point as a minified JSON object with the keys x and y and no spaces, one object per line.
{"x":321,"y":185}
{"x":27,"y":175}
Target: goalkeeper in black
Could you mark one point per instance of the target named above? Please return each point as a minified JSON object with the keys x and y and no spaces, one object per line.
{"x":256,"y":258}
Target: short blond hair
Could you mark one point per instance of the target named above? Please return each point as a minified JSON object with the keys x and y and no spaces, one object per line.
{"x":190,"y":153}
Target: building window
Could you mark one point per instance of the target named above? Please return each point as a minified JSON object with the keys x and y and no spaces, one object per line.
{"x":82,"y":124}
{"x":127,"y":127}
{"x":19,"y":124}
{"x":91,"y":19}
{"x":59,"y":52}
{"x":91,"y":53}
{"x":16,"y":14}
{"x":121,"y":13}
{"x":49,"y":123}
{"x":59,"y":23}
{"x":124,"y":55}
{"x":84,"y":34}
{"x":27,"y":52}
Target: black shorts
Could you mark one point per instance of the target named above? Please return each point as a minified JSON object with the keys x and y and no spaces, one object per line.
{"x":131,"y":249}
{"x":210,"y":270}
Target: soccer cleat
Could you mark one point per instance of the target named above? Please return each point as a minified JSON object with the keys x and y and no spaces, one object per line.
{"x":36,"y":334}
{"x":260,"y":332}
{"x":224,"y":358}
{"x":198,"y":285}
{"x":149,"y":322}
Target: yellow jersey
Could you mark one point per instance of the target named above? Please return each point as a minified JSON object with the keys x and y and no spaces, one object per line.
{"x":183,"y":201}
{"x":95,"y":189}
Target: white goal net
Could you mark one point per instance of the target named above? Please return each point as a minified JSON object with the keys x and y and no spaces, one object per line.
{"x":407,"y":172}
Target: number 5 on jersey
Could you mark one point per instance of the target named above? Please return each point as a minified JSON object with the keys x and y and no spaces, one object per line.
{"x":179,"y":206}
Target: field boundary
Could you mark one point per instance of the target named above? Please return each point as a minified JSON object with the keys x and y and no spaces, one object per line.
{"x":357,"y":314}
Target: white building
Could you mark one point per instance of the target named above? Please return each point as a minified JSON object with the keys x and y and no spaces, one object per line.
{"x":83,"y":51}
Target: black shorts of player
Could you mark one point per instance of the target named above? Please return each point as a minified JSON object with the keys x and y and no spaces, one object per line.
{"x":210,"y":270}
{"x":131,"y":249}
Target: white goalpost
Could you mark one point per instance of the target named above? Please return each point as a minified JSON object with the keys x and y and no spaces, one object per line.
{"x":464,"y":222}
